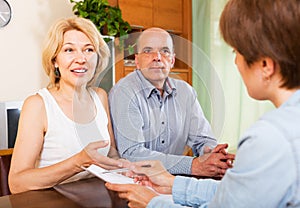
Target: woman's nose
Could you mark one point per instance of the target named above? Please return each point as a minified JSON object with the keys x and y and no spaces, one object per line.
{"x":80,"y":57}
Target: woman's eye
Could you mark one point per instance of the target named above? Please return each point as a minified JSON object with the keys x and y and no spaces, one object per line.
{"x":68,"y":50}
{"x":89,"y":50}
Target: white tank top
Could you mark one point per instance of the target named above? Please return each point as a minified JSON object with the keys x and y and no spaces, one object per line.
{"x":64,"y":137}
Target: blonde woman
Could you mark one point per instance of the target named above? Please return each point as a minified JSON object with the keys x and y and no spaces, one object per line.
{"x":66,"y":125}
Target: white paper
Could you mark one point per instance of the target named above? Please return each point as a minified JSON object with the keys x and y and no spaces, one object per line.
{"x":109,"y":177}
{"x":116,"y":178}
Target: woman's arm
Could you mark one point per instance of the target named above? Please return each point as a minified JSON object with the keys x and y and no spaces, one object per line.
{"x":23,"y":174}
{"x":29,"y":144}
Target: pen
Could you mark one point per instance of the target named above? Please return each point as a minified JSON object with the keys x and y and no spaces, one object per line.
{"x":121,"y":170}
{"x":146,"y":166}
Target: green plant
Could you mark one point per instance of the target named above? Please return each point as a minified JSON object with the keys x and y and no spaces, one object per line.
{"x":108,"y":19}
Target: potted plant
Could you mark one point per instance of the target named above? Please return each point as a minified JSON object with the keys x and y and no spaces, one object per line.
{"x":108,"y":19}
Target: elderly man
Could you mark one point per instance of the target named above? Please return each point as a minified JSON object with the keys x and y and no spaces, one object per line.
{"x":155,"y":116}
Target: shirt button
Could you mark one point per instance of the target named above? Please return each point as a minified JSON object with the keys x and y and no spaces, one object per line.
{"x":163,"y":141}
{"x":162,"y":122}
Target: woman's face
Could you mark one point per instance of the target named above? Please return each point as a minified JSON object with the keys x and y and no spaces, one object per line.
{"x":252,"y":77}
{"x":77,"y":59}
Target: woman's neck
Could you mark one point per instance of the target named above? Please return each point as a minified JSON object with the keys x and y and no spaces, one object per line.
{"x":281,"y":95}
{"x":77,"y":104}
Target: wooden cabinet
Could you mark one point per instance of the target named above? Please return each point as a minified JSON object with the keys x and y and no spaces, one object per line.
{"x":183,"y":74}
{"x":175,"y":16}
{"x":167,"y":14}
{"x":128,"y":69}
{"x":138,"y":13}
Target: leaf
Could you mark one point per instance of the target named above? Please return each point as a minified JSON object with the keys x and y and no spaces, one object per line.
{"x":102,"y":14}
{"x":130,"y":49}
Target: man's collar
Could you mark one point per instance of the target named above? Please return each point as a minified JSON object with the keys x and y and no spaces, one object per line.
{"x":169,"y":86}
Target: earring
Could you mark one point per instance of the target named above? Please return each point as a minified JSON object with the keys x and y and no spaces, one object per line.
{"x":267,"y":79}
{"x":57,"y":72}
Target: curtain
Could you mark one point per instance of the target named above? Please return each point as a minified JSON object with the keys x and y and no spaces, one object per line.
{"x":221,"y":92}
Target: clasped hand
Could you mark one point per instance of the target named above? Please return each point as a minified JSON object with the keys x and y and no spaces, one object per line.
{"x":213,"y":163}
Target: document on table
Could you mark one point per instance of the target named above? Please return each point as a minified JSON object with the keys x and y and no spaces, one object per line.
{"x":109,"y":177}
{"x":116,"y":178}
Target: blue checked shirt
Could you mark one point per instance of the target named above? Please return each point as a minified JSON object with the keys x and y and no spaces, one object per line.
{"x":148,"y":126}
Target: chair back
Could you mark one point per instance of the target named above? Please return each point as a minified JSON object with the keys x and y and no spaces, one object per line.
{"x":5,"y":158}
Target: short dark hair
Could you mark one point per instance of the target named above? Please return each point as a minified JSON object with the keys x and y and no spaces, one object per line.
{"x":265,"y":28}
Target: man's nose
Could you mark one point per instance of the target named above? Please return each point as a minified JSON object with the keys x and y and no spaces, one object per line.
{"x":156,"y":56}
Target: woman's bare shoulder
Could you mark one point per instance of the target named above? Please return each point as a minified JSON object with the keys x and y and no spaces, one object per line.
{"x":33,"y":102}
{"x":101,"y":93}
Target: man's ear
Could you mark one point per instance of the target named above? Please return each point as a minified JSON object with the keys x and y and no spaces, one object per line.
{"x":136,"y":61}
{"x":173,"y":60}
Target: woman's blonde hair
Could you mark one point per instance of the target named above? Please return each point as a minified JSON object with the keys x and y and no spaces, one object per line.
{"x":54,"y":42}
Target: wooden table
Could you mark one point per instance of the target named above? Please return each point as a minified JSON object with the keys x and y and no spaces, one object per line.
{"x":85,"y":193}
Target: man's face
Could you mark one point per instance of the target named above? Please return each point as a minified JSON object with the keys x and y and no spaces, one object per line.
{"x":155,"y":56}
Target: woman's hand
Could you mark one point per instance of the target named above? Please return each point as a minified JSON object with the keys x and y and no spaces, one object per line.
{"x":137,"y":196}
{"x":153,"y":174}
{"x":89,"y":155}
{"x":149,"y":173}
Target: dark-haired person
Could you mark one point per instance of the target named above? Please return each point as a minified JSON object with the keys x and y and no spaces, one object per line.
{"x":265,"y":37}
{"x":66,"y":125}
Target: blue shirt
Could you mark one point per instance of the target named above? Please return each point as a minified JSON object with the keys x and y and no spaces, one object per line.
{"x":266,"y":172}
{"x":148,"y":126}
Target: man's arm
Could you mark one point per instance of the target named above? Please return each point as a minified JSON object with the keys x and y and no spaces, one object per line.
{"x":175,"y":164}
{"x":200,"y":132}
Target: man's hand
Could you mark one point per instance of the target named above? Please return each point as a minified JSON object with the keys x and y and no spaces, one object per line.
{"x":213,"y":163}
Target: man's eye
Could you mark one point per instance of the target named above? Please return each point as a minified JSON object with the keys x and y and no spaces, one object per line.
{"x":165,"y":51}
{"x":147,"y":51}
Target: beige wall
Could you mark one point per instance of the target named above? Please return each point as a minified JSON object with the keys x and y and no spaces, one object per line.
{"x":21,"y":72}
